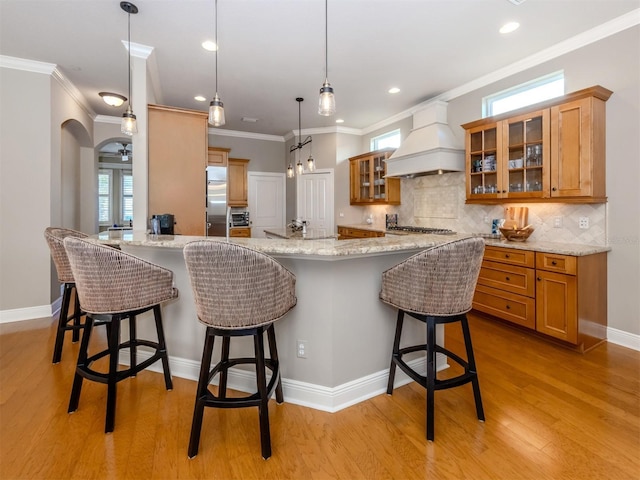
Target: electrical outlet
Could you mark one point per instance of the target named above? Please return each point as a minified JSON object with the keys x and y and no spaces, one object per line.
{"x":341,"y":215}
{"x":583,"y":222}
{"x":557,"y":222}
{"x":486,"y":220}
{"x":301,"y":348}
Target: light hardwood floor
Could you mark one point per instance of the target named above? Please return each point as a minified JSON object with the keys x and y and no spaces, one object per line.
{"x":551,"y":414}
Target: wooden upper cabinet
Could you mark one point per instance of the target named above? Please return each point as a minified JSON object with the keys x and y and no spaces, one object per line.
{"x":218,"y":157}
{"x":578,"y":149}
{"x":367,"y":180}
{"x":177,"y":162}
{"x":237,"y":187}
{"x":552,"y":151}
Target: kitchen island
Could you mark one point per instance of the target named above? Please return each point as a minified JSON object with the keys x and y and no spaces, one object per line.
{"x":348,"y":331}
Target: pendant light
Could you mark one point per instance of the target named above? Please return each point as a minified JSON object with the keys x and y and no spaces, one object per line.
{"x":129,"y":125}
{"x":216,"y":107}
{"x":327,"y":101}
{"x":298,"y":147}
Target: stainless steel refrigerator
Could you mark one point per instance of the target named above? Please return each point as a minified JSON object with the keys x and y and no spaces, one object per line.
{"x":216,"y":201}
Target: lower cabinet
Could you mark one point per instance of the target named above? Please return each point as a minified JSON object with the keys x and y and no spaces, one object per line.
{"x":345,"y":233}
{"x":560,"y":296}
{"x":240,"y":232}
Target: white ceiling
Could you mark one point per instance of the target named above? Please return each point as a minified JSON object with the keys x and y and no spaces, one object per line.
{"x":273,"y":51}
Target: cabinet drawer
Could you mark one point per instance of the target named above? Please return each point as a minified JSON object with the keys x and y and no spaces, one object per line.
{"x":524,"y":258}
{"x":556,"y":263}
{"x":357,"y":233}
{"x":519,"y":280}
{"x":514,"y":308}
{"x":240,"y":232}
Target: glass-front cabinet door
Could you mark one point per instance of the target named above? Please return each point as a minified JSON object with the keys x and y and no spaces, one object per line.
{"x":483,"y":147}
{"x":526,"y":155}
{"x":369,"y":184}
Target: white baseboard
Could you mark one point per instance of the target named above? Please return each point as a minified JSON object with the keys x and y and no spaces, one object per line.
{"x":29,"y":313}
{"x":318,"y":397}
{"x":622,"y":338}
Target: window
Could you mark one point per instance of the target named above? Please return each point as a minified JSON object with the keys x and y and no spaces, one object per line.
{"x":386,"y":140}
{"x":127,"y":196}
{"x":105,"y":183}
{"x":538,"y":90}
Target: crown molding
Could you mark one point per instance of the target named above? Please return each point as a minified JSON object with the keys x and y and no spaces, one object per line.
{"x":138,"y":50}
{"x":612,"y":27}
{"x":107,"y":119}
{"x":249,"y":135}
{"x":26,"y":65}
{"x":73,"y":92}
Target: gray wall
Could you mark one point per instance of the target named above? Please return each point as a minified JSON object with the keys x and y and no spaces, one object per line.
{"x":265,"y":155}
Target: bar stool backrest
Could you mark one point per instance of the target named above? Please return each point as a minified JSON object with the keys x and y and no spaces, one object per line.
{"x":55,"y":237}
{"x":439,"y":281}
{"x":237,"y":287}
{"x":111,"y":281}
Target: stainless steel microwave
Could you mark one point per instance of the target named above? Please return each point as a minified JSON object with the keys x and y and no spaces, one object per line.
{"x":240,"y":219}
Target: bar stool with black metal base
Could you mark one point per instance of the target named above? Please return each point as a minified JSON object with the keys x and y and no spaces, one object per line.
{"x":113,"y":286}
{"x":55,"y":238}
{"x":435,"y":286}
{"x":238,"y":292}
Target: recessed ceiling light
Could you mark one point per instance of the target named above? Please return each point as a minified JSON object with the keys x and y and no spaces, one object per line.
{"x":112,"y":99}
{"x":249,"y":119}
{"x":199,"y":98}
{"x":339,"y":120}
{"x":210,"y":46}
{"x":394,"y":90}
{"x":509,"y":27}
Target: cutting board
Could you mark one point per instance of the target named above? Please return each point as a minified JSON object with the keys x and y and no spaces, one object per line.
{"x":516,"y":217}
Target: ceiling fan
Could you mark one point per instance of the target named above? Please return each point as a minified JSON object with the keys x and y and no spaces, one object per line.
{"x":125,"y":152}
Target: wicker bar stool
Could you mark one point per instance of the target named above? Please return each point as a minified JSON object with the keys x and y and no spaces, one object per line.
{"x":238,"y":292}
{"x":435,"y":286}
{"x":55,"y":238}
{"x":112,"y":286}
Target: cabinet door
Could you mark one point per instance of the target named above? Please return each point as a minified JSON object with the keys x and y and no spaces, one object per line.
{"x":571,"y":155}
{"x":237,"y":189}
{"x":556,"y":305}
{"x":483,"y":162}
{"x":525,"y":156}
{"x":368,"y":183}
{"x":218,"y":157}
{"x":177,"y":161}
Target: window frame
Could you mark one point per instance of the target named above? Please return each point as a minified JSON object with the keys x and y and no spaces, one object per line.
{"x":489,"y":101}
{"x":373,"y":144}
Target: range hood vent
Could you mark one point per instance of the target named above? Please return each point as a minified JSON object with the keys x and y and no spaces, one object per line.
{"x":430,"y":148}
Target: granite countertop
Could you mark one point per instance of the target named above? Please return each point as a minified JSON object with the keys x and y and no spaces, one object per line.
{"x":332,"y":248}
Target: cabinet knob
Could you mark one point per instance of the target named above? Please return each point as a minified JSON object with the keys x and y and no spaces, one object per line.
{"x":553,"y":262}
{"x":504,"y":191}
{"x":508,"y":307}
{"x":506,"y":255}
{"x":507,"y":279}
{"x":553,"y":189}
{"x":539,"y":279}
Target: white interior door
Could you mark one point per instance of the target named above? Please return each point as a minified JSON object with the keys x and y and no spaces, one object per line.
{"x":315,"y":200}
{"x":267,"y":208}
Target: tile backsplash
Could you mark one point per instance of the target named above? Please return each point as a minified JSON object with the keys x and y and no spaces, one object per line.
{"x":439,"y":201}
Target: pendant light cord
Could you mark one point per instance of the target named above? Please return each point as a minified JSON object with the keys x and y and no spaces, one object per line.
{"x":129,"y":50}
{"x":326,"y":39}
{"x":217,"y":46}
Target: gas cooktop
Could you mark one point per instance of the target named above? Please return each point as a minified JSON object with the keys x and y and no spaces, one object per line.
{"x":433,"y":231}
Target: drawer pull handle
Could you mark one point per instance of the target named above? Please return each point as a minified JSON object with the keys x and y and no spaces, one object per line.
{"x":553,"y":262}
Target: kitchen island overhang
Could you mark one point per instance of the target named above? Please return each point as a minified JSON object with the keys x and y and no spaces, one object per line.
{"x":348,"y":330}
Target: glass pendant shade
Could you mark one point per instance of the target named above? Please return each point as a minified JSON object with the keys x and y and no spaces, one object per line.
{"x":216,"y":112}
{"x":311,"y":164}
{"x":129,"y":126}
{"x":327,"y":101}
{"x":290,"y":171}
{"x":299,"y":168}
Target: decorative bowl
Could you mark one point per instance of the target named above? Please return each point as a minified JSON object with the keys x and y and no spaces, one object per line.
{"x":517,"y":234}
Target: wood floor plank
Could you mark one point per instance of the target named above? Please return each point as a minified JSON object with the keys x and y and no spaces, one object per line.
{"x":551,"y":414}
